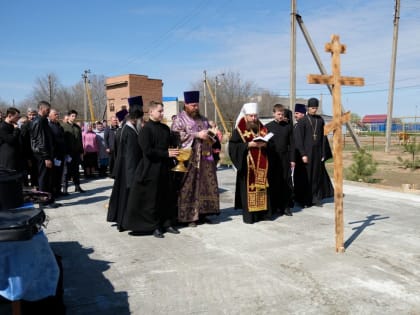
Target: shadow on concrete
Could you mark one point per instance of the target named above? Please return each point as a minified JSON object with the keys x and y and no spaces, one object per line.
{"x":85,"y":201}
{"x":87,"y":192}
{"x":222,"y":190}
{"x":86,"y":290}
{"x":225,"y":215}
{"x":364,"y":224}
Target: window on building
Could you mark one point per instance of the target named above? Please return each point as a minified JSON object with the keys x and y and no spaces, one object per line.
{"x":111,"y":107}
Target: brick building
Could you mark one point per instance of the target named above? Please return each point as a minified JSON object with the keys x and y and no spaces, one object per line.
{"x":120,"y":88}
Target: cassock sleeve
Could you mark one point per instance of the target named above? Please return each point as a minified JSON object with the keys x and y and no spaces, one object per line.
{"x":299,"y":135}
{"x":292,"y":153}
{"x":150,"y":150}
{"x":131,"y":160}
{"x":238,"y":151}
{"x":180,"y":128}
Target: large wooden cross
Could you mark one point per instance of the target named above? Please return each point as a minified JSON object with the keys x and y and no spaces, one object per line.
{"x":336,"y":81}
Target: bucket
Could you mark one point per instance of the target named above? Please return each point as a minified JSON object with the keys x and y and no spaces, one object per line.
{"x":11,"y":189}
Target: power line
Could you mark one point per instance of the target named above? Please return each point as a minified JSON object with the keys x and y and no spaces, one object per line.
{"x":160,"y":40}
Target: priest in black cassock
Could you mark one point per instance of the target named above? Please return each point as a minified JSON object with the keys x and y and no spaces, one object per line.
{"x":299,"y":176}
{"x":128,"y":156}
{"x":152,"y":201}
{"x":281,"y":160}
{"x":314,"y":150}
{"x":250,"y":160}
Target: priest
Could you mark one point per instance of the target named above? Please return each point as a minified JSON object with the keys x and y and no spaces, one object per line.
{"x":198,"y":191}
{"x":314,"y":150}
{"x":250,"y":159}
{"x":128,"y":157}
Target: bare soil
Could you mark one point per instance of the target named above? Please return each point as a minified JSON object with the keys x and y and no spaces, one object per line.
{"x":390,"y":174}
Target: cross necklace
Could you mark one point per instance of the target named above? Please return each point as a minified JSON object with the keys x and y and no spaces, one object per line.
{"x":313,"y":129}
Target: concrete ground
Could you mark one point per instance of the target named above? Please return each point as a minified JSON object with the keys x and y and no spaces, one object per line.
{"x":285,"y":266}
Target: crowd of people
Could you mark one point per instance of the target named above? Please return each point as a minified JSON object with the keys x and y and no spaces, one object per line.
{"x":49,"y":151}
{"x":277,"y":164}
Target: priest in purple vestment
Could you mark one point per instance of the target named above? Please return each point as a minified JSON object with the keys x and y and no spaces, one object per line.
{"x":198,"y":193}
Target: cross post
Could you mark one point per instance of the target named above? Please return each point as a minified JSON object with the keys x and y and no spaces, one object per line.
{"x":336,"y":81}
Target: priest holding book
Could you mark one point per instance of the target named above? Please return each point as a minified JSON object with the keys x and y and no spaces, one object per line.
{"x":250,"y":159}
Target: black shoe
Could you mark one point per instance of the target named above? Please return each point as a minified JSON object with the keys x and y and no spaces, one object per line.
{"x":52,"y":205}
{"x":158,"y":233}
{"x":136,"y":233}
{"x":172,"y":230}
{"x":79,"y":189}
{"x":288,"y":212}
{"x":203,"y":220}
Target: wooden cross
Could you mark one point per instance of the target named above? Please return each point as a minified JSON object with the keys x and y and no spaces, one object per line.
{"x":336,"y":81}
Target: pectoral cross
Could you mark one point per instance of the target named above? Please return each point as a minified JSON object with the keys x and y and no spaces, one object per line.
{"x":336,"y":81}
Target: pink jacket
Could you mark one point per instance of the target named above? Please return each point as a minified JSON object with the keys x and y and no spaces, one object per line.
{"x":90,"y":143}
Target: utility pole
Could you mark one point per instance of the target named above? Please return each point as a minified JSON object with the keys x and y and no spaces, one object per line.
{"x":392,"y":78}
{"x":215,"y":96}
{"x":292,"y":92}
{"x":85,"y":81}
{"x":216,"y":83}
{"x":204,"y":93}
{"x":324,"y":72}
{"x":50,"y":89}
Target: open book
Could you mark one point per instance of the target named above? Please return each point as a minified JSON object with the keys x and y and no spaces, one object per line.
{"x":265,"y":138}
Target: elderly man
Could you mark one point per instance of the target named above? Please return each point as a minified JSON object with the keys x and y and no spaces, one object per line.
{"x":198,"y":192}
{"x":250,"y":159}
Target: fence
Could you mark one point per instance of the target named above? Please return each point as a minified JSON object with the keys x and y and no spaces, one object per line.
{"x":375,"y":141}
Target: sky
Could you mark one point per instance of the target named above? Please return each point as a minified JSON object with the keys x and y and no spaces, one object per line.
{"x":175,"y":41}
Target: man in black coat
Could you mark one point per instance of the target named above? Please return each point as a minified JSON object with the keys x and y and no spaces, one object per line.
{"x":151,"y":202}
{"x":10,"y":140}
{"x":109,"y":138}
{"x":60,"y":150}
{"x":312,"y":146}
{"x":30,"y":164}
{"x":281,"y":161}
{"x":43,"y":148}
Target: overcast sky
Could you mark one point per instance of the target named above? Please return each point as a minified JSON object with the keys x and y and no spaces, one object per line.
{"x":176,"y":40}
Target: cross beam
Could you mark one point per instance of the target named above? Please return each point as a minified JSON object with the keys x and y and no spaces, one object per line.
{"x":336,"y":81}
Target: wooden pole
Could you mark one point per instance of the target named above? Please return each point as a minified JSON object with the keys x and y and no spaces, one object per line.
{"x":292,"y":91}
{"x":336,"y":81}
{"x":204,"y":93}
{"x":392,"y":78}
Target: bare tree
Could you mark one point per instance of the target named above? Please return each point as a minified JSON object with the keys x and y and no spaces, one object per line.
{"x":97,"y":84}
{"x":3,"y":106}
{"x":46,"y":88}
{"x":78,"y":94}
{"x":266,"y":100}
{"x":232,"y":93}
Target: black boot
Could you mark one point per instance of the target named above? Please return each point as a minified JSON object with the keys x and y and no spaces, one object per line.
{"x":79,"y":189}
{"x":65,"y":189}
